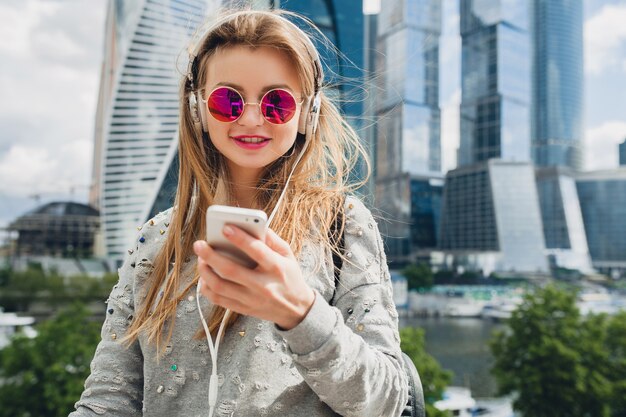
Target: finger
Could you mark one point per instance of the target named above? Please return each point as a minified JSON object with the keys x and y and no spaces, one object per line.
{"x":223,"y":266}
{"x":202,"y":249}
{"x":233,"y":304}
{"x":253,"y":247}
{"x":277,"y":243}
{"x":216,"y":285}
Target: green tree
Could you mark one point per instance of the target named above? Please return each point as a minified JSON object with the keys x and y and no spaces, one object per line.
{"x":44,"y":376}
{"x":19,"y":289}
{"x":552,"y":359}
{"x":418,"y":276}
{"x":616,"y":344}
{"x":434,"y":378}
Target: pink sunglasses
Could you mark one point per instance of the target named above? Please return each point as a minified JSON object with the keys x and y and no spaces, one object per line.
{"x":226,"y":105}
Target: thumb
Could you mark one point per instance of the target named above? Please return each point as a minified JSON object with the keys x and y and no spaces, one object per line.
{"x":277,"y":244}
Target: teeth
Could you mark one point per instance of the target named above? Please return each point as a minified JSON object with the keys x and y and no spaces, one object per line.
{"x":252,"y":140}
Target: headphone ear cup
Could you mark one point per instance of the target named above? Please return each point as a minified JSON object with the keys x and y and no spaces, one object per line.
{"x":313,"y":116}
{"x":309,"y":116}
{"x":304,"y":116}
{"x":202,"y":112}
{"x":194,"y":111}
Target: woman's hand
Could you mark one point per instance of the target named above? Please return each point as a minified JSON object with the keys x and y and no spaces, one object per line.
{"x":275,"y":290}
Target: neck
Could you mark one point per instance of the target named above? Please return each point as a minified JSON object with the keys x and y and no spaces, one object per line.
{"x":244,"y":182}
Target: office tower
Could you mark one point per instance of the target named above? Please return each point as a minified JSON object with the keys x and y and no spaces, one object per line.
{"x":495,"y":81}
{"x":490,"y":217}
{"x":342,"y":23}
{"x":137,"y":115}
{"x":622,"y":153}
{"x":407,"y":114}
{"x":603,"y":203}
{"x":556,"y":125}
{"x":556,"y":28}
{"x":563,"y":228}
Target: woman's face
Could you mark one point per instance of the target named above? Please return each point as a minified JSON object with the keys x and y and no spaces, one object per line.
{"x":252,"y":72}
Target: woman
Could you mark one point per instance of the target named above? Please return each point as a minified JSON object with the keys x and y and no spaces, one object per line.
{"x":257,"y":131}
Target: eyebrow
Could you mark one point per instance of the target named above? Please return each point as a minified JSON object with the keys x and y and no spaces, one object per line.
{"x":264,"y":89}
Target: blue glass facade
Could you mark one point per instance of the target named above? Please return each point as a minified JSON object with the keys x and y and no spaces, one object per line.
{"x":425,"y":211}
{"x":557,"y":82}
{"x":495,"y":78}
{"x":341,"y":22}
{"x":622,"y":153}
{"x":603,"y":203}
{"x":408,"y":144}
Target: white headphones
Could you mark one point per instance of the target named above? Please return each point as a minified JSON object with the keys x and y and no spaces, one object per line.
{"x":309,"y":115}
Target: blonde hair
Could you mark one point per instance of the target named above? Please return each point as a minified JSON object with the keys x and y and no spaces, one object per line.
{"x":316,"y":190}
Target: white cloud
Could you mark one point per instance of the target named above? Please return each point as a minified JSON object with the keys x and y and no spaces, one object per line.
{"x":18,"y":21}
{"x":450,"y":133}
{"x":38,"y":170}
{"x":601,"y":145}
{"x":605,"y":38}
{"x":51,"y":53}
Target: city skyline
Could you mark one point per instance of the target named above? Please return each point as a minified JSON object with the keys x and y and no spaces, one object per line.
{"x":54,"y":52}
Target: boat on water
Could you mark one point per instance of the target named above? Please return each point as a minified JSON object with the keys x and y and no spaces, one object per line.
{"x":501,"y":309}
{"x":459,"y":402}
{"x":11,"y":323}
{"x":459,"y":304}
{"x":598,"y":300}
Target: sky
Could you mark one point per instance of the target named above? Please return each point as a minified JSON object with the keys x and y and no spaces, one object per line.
{"x":50,"y":57}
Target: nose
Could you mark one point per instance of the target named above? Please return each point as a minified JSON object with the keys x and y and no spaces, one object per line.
{"x":251,"y":115}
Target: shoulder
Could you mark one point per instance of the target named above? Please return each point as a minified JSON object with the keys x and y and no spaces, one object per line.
{"x":355,"y":209}
{"x":363,"y":252}
{"x":152,"y":234}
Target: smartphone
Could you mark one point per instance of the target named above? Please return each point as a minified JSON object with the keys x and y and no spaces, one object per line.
{"x":252,"y":221}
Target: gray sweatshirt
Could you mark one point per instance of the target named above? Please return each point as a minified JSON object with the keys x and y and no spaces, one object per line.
{"x":342,"y":359}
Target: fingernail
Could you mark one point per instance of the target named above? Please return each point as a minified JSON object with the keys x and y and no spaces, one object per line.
{"x":228,"y":231}
{"x":198,"y":245}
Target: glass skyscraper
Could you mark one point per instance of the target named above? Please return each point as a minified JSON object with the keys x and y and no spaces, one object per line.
{"x":557,"y":82}
{"x":137,"y":117}
{"x":491,"y":212}
{"x":495,"y":79}
{"x":556,"y":125}
{"x":408,"y":143}
{"x":563,"y":228}
{"x":603,"y":203}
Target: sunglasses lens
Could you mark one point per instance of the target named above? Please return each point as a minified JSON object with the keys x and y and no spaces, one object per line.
{"x":278,"y":106}
{"x":225,"y":104}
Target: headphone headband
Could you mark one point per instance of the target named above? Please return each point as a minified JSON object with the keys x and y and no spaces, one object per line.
{"x":194,"y":50}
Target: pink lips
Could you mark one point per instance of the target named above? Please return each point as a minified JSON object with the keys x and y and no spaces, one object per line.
{"x":249,"y":145}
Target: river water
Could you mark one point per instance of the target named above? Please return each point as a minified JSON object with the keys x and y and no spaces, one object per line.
{"x":461,"y":345}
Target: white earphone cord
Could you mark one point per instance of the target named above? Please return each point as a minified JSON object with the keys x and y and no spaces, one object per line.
{"x":213,"y":350}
